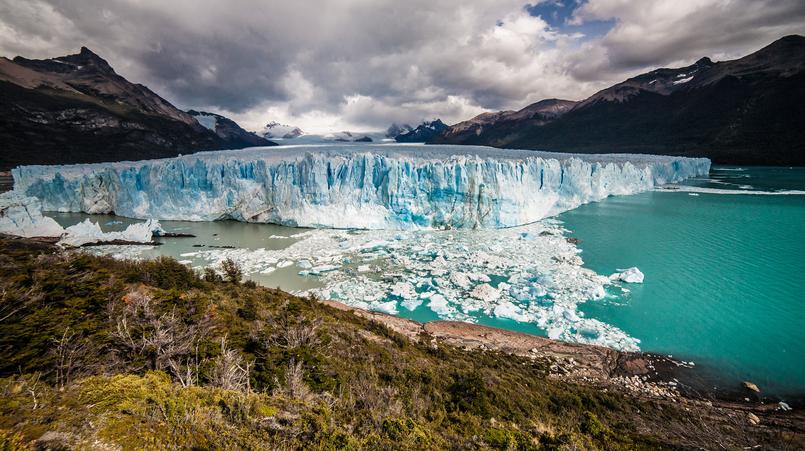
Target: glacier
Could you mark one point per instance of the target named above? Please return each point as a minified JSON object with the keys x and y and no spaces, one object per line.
{"x":401,"y":187}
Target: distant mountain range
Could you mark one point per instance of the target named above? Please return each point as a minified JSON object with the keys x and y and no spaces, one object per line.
{"x":276,"y":130}
{"x":424,"y":132}
{"x":76,"y":109}
{"x":745,"y":111}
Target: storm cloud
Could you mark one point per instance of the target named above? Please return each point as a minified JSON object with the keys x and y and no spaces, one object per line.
{"x":362,"y":64}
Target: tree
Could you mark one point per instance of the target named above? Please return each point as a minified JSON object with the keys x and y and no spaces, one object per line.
{"x":231,"y":371}
{"x":232,"y":272}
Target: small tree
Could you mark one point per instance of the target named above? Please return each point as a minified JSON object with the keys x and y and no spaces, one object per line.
{"x":211,"y":276}
{"x":69,"y":349}
{"x":231,"y":372}
{"x":295,"y":386}
{"x":164,"y":341}
{"x":232,"y":271}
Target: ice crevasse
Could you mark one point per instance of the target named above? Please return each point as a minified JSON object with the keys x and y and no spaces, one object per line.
{"x":370,"y":187}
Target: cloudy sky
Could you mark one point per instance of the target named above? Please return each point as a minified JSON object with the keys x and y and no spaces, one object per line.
{"x":329,"y":65}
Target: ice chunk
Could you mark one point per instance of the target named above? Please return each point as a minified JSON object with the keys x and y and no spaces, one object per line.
{"x":439,"y":305}
{"x":368,"y":186}
{"x":460,"y":280}
{"x":22,"y":216}
{"x":485,"y":292}
{"x":510,"y":311}
{"x":90,"y":232}
{"x":630,"y":275}
{"x":404,"y":290}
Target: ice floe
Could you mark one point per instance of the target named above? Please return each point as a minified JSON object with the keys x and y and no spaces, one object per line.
{"x":630,"y":275}
{"x":529,"y":274}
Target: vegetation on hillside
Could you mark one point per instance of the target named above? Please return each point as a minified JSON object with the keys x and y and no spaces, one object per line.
{"x":97,"y":352}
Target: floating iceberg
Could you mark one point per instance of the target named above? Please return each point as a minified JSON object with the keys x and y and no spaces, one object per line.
{"x":22,"y":216}
{"x":369,"y":186}
{"x":630,"y":275}
{"x":90,"y":232}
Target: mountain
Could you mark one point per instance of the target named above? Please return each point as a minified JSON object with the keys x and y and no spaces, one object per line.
{"x":473,"y":131}
{"x":745,"y":111}
{"x":76,"y":109}
{"x":395,"y":130}
{"x":276,"y":130}
{"x":229,"y":130}
{"x":424,"y":132}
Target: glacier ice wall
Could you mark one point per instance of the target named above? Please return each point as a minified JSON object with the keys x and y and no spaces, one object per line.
{"x":372,"y":187}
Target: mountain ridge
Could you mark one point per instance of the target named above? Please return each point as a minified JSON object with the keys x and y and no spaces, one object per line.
{"x":743,"y":111}
{"x":77,"y":109}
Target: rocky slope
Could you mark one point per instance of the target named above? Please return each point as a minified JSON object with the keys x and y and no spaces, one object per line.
{"x":744,"y":111}
{"x":476,"y":130}
{"x":229,"y":130}
{"x":76,"y":109}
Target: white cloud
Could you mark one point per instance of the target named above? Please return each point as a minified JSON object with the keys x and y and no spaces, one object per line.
{"x":358,"y":64}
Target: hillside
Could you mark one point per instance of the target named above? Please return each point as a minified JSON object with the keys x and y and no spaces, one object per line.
{"x":228,"y":130}
{"x":744,"y":111}
{"x":77,"y":109}
{"x":98,"y":353}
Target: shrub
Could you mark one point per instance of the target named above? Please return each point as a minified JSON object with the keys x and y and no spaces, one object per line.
{"x":468,"y":393}
{"x":232,"y":272}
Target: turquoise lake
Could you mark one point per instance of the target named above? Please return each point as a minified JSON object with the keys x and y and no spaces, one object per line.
{"x":724,"y":273}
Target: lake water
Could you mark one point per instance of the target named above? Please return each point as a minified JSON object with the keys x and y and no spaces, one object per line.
{"x":724,"y":287}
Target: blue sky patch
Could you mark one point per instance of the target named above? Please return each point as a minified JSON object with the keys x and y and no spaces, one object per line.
{"x":557,"y":13}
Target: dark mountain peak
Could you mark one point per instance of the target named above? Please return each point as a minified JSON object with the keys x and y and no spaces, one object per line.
{"x":88,"y":58}
{"x":786,"y":42}
{"x":424,"y":132}
{"x":86,"y":61}
{"x":788,"y":47}
{"x":742,"y":111}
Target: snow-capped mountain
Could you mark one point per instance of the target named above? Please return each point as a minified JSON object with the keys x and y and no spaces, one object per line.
{"x":424,"y":132}
{"x":276,"y":130}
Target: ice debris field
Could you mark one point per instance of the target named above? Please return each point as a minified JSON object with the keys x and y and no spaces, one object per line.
{"x":460,"y":231}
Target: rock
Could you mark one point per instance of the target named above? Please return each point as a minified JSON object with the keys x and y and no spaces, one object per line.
{"x":54,"y":440}
{"x":750,"y":386}
{"x":753,"y":418}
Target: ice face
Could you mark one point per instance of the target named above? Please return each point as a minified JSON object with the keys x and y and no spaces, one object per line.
{"x":369,"y":187}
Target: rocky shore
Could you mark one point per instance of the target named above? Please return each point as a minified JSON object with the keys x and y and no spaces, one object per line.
{"x":645,"y":376}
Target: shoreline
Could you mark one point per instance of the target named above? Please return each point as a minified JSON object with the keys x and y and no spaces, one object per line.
{"x":642,"y":374}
